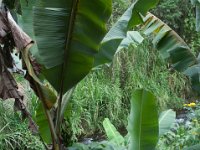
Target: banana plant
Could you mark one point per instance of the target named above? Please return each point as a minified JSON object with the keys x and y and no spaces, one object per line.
{"x":143,"y":123}
{"x":68,"y":35}
{"x":69,"y":38}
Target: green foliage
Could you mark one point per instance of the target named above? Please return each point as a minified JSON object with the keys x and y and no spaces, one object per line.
{"x":112,"y":134}
{"x":14,"y":133}
{"x":118,"y":32}
{"x":185,"y":134}
{"x":166,"y":119}
{"x":140,"y":67}
{"x":169,"y":44}
{"x":143,"y":129}
{"x":74,"y":59}
{"x":180,"y":16}
{"x":143,"y":67}
{"x":93,"y":101}
{"x":180,"y":139}
{"x":70,"y":45}
{"x":143,"y":121}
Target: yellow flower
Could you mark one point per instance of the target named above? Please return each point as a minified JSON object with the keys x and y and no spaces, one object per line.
{"x":192,"y":104}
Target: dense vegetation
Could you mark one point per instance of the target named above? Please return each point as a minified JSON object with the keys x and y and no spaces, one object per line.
{"x":106,"y":92}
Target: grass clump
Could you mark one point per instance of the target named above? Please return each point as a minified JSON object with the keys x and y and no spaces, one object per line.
{"x":14,"y":133}
{"x":106,"y":93}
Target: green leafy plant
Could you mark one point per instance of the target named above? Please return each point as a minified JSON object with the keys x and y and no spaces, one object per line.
{"x":64,"y":54}
{"x":145,"y":131}
{"x":112,"y":134}
{"x":184,"y":133}
{"x":143,"y":125}
{"x":71,"y":52}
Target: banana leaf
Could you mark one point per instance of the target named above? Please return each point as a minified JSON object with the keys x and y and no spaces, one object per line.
{"x":169,"y":43}
{"x":112,"y":133}
{"x":118,"y":32}
{"x":166,"y":119}
{"x":68,"y":34}
{"x":173,"y":48}
{"x":143,"y":121}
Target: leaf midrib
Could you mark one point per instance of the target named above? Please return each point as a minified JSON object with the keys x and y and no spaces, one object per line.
{"x":109,"y":125}
{"x":68,"y":41}
{"x":162,"y":117}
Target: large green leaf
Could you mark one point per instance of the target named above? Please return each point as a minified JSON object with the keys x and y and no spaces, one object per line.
{"x":68,"y":34}
{"x":173,"y":48}
{"x":26,"y":23}
{"x":112,"y":133}
{"x":166,"y":119}
{"x":169,"y":43}
{"x":143,"y":121}
{"x":118,"y":32}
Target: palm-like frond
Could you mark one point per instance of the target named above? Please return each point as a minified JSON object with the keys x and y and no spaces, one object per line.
{"x":173,"y":48}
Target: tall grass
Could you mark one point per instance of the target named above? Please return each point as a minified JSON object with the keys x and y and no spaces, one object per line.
{"x":143,"y":67}
{"x":96,"y":97}
{"x":106,"y":93}
{"x":14,"y":132}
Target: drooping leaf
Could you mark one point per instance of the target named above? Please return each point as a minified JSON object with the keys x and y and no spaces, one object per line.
{"x":112,"y":133}
{"x":68,"y":34}
{"x":8,"y":86}
{"x":169,"y":43}
{"x":117,"y":33}
{"x":25,"y":21}
{"x":173,"y":48}
{"x":166,"y":119}
{"x":143,"y":121}
{"x":23,"y":42}
{"x":66,"y":108}
{"x":43,"y":91}
{"x":11,"y":36}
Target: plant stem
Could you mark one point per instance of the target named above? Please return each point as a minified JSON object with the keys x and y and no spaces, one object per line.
{"x":54,"y":137}
{"x":68,"y":40}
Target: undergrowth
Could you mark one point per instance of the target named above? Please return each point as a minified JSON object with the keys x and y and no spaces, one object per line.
{"x":14,"y":132}
{"x":106,"y":93}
